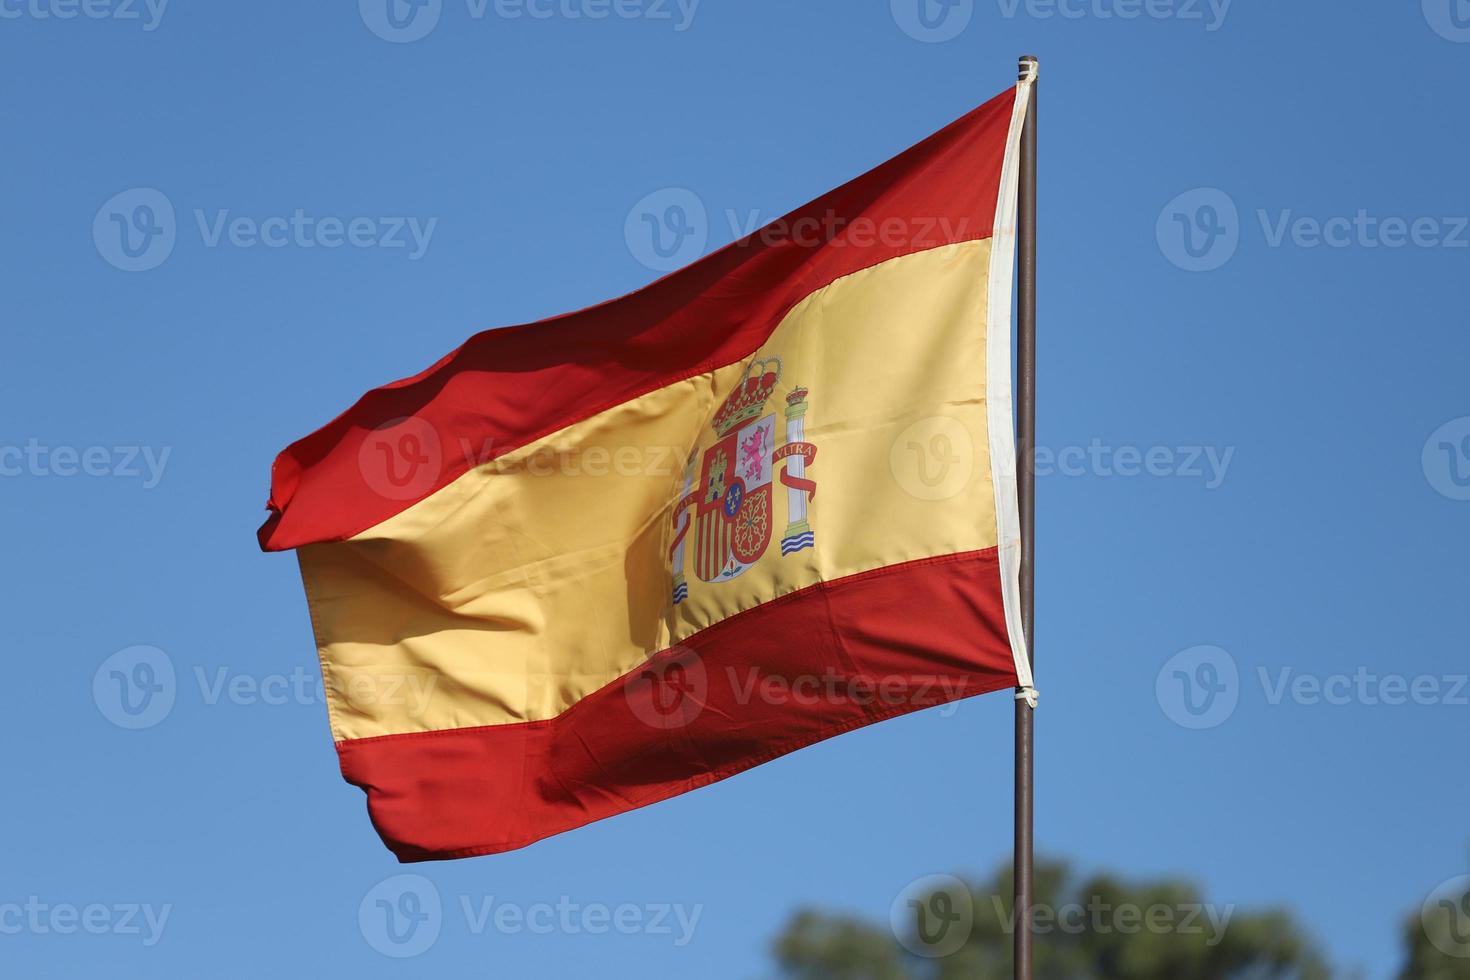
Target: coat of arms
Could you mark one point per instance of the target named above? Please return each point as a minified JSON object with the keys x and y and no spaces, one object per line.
{"x":723,"y":524}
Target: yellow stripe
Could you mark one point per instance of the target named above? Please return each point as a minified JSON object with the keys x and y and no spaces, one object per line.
{"x":540,"y":577}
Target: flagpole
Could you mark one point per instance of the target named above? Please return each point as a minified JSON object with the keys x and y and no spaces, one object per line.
{"x":1026,"y":494}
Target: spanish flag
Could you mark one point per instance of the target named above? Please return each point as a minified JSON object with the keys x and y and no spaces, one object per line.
{"x":583,"y":565}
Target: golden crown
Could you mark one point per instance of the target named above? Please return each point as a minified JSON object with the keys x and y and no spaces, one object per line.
{"x":749,"y":397}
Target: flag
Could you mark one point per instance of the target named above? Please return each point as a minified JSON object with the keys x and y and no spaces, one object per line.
{"x":587,"y":564}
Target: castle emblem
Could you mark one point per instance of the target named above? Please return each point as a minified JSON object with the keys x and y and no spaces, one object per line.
{"x":723,"y":523}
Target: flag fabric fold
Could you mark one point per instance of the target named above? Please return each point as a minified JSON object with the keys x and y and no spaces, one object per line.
{"x":583,"y":565}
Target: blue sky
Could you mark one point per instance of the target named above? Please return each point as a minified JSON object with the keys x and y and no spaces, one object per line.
{"x":1253,"y":512}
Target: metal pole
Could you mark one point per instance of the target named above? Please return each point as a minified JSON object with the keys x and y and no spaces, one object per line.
{"x":1026,"y":494}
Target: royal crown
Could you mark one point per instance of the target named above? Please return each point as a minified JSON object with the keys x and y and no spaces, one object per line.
{"x":749,"y":397}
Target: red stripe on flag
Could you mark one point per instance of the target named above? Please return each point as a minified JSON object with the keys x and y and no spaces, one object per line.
{"x":508,"y":387}
{"x":786,"y":674}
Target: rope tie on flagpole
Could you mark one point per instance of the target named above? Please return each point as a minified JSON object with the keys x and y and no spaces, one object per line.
{"x":1028,"y":694}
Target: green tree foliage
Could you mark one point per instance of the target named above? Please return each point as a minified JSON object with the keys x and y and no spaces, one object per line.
{"x":1102,"y":928}
{"x":1437,"y":938}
